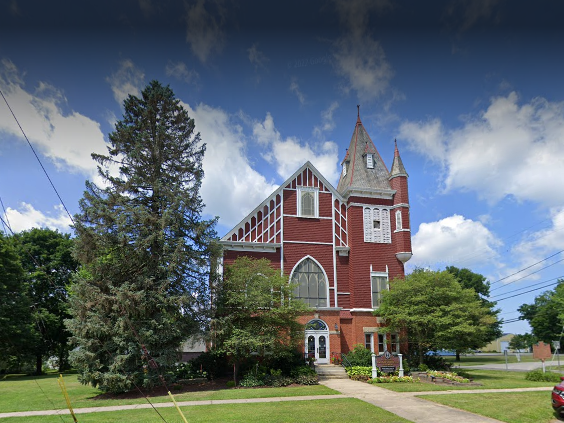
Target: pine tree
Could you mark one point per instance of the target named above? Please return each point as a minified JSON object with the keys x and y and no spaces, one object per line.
{"x":144,"y":247}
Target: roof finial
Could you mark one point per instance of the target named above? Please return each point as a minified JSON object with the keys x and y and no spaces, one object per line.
{"x":358,"y":110}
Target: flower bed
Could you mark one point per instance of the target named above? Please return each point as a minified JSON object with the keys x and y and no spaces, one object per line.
{"x":392,"y":379}
{"x":451,"y":376}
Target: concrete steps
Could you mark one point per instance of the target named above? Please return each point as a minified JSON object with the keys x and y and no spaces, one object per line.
{"x":330,"y":371}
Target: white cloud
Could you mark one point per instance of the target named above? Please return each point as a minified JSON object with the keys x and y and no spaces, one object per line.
{"x":536,"y":246}
{"x":127,"y":80}
{"x":231,"y":187}
{"x":27,"y":218}
{"x":295,"y":88}
{"x":455,"y":241}
{"x":358,"y":57}
{"x":289,"y":154}
{"x":181,"y":72}
{"x":66,"y":139}
{"x":507,"y":150}
{"x":327,"y":122}
{"x":203,"y":31}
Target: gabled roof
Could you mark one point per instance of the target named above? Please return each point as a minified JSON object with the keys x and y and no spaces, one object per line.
{"x":307,"y":175}
{"x":358,"y":177}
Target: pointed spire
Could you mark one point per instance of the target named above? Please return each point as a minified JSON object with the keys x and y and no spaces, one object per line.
{"x":358,"y":114}
{"x":397,"y":166}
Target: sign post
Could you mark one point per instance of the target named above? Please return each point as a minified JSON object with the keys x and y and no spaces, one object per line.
{"x":401,"y":365}
{"x":374,"y":371}
{"x":541,"y":351}
{"x":387,"y":363}
{"x":556,"y":345}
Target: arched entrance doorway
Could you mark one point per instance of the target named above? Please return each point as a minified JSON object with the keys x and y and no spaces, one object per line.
{"x":317,"y":341}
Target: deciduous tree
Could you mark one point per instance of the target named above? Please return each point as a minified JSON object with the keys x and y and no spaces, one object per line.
{"x":546,"y":314}
{"x":144,"y":247}
{"x":479,"y":283}
{"x":256,"y":313}
{"x":46,"y":256}
{"x":435,"y":311}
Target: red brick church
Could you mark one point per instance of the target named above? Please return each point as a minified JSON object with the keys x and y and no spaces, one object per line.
{"x":341,"y":245}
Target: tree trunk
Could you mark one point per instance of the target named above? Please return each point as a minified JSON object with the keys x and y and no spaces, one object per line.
{"x":38,"y":364}
{"x":420,"y":354}
{"x":457,"y":356}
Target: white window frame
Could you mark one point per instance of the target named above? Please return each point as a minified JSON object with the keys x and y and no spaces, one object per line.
{"x":382,"y":234}
{"x":371,"y":335}
{"x":378,"y":275}
{"x":399,"y":224}
{"x":344,"y":169}
{"x":370,"y":161}
{"x":396,"y":343}
{"x":315,"y":191}
{"x":384,"y":344}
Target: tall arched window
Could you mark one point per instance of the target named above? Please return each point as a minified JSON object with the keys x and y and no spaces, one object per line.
{"x":312,"y":285}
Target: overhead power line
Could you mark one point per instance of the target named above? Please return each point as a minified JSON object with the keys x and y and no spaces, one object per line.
{"x":37,"y":157}
{"x":525,"y":268}
{"x":531,"y":290}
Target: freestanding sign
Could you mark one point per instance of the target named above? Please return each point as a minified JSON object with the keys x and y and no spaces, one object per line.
{"x":541,"y":351}
{"x":387,"y":363}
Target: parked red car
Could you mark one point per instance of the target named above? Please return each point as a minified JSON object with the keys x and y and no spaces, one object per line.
{"x":558,"y":397}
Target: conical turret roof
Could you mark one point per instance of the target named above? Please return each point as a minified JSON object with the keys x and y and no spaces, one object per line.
{"x":358,"y":175}
{"x":397,"y":166}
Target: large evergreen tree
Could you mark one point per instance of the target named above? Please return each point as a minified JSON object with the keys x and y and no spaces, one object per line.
{"x":46,"y":257}
{"x":144,"y":247}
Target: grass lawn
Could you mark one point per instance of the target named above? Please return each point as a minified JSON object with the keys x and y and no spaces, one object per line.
{"x":518,"y":407}
{"x":478,"y":360}
{"x":490,"y":379}
{"x":24,"y":393}
{"x":300,"y":411}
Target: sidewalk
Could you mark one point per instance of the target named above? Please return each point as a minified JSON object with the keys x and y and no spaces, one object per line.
{"x":407,"y":406}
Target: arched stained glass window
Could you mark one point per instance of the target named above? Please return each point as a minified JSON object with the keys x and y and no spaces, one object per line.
{"x":316,"y":324}
{"x":312,"y":286}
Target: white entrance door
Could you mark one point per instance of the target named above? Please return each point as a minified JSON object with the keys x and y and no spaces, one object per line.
{"x":317,"y":341}
{"x":317,"y":346}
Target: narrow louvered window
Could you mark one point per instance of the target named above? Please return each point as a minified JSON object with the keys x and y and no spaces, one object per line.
{"x":370,"y":161}
{"x":398,"y":220}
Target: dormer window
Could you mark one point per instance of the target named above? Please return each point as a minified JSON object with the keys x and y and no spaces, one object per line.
{"x":370,"y":161}
{"x":344,"y":169}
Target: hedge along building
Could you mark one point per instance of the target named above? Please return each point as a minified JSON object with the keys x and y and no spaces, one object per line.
{"x":341,"y":245}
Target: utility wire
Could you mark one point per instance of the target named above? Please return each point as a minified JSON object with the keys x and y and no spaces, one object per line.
{"x":536,"y":289}
{"x":526,"y":276}
{"x":525,"y":268}
{"x":37,"y":157}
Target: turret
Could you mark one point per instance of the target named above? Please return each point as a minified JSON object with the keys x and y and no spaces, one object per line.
{"x":402,"y":228}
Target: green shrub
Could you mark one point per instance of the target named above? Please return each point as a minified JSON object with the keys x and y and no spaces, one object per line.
{"x":310,"y":379}
{"x":359,"y":371}
{"x":423,"y":367}
{"x":251,"y":380}
{"x":187,"y":371}
{"x":302,"y":371}
{"x":230,"y":384}
{"x":213,"y":362}
{"x":360,"y":356}
{"x":538,"y":376}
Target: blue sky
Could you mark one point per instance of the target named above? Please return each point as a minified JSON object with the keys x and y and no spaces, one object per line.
{"x":471,"y":90}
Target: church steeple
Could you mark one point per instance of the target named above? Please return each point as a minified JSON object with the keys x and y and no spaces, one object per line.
{"x":363,"y":167}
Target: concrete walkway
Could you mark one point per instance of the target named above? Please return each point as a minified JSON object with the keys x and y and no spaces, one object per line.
{"x":407,"y":406}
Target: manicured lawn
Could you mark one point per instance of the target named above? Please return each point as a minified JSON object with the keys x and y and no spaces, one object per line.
{"x":518,"y":407}
{"x":24,"y":393}
{"x":300,"y":411}
{"x":490,"y":379}
{"x":478,"y":360}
